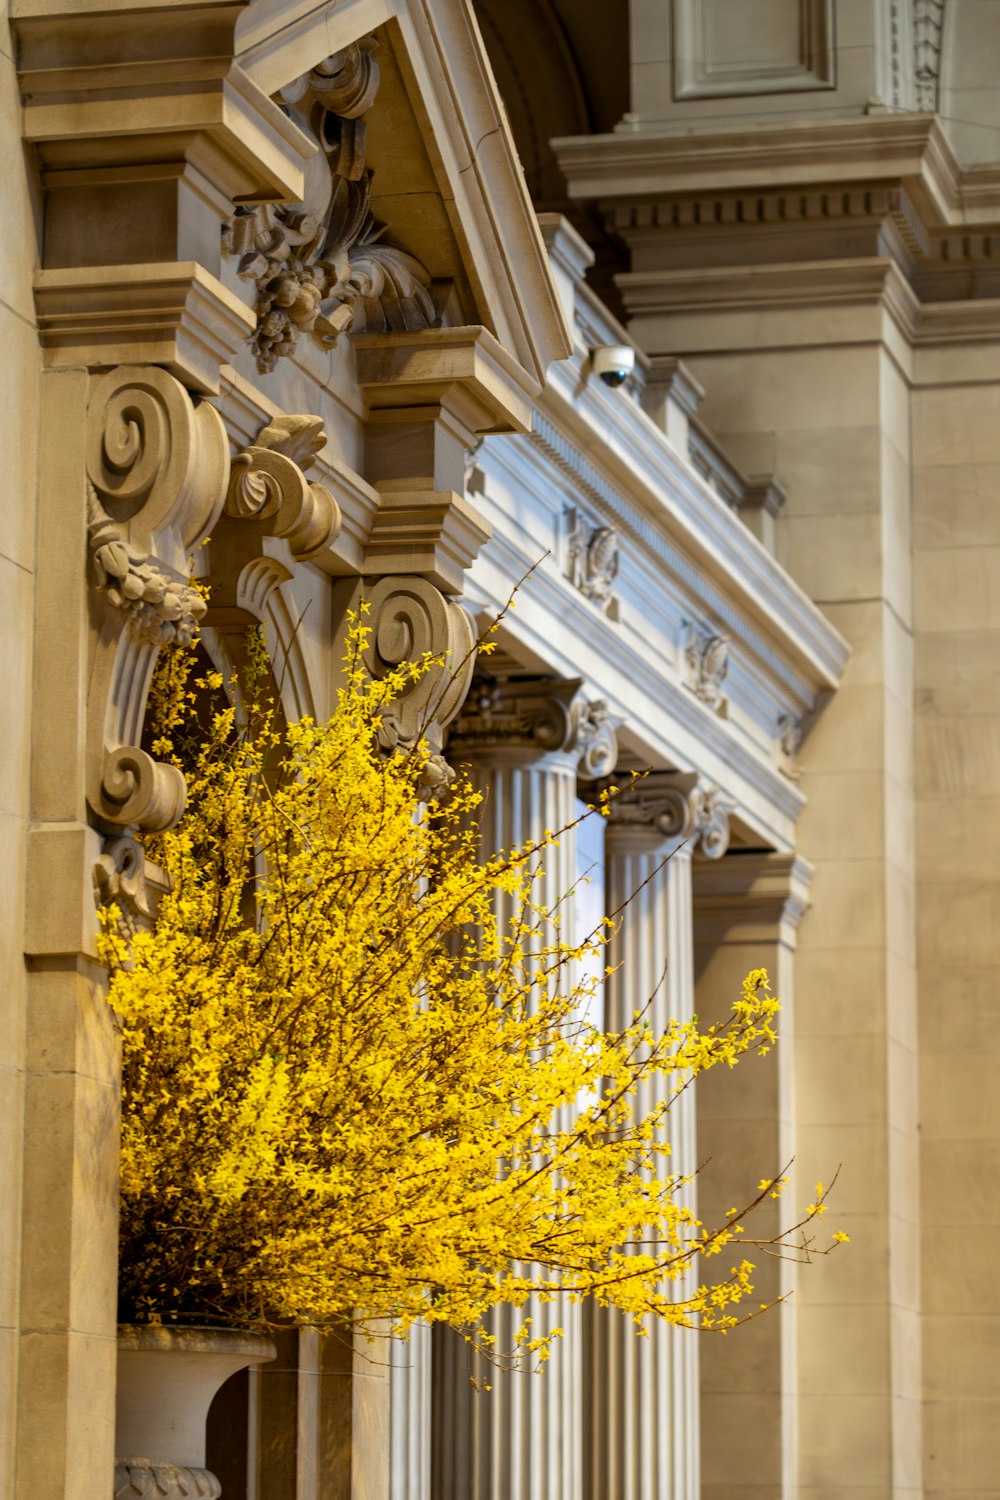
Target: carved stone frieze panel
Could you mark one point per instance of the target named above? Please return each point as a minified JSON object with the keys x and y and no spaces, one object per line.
{"x":745,"y":47}
{"x":320,"y":266}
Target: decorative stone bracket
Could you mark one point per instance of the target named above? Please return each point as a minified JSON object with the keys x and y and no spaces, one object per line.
{"x":158,"y":480}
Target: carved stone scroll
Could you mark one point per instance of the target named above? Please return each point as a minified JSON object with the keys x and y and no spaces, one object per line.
{"x":138,"y":791}
{"x":268,"y":484}
{"x":158,"y":463}
{"x":411,"y":619}
{"x":157,"y":470}
{"x":320,"y":266}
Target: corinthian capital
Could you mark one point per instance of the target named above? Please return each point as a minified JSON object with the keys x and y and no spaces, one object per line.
{"x":675,"y":805}
{"x":536,"y":716}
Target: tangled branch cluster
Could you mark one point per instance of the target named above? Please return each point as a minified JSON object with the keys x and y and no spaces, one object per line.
{"x":350,"y":1084}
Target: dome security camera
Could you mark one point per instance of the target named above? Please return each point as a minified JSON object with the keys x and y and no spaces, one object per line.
{"x":613,"y":362}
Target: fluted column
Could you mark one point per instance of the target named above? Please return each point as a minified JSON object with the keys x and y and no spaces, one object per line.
{"x":410,"y":1421}
{"x":525,"y":741}
{"x":642,"y":1393}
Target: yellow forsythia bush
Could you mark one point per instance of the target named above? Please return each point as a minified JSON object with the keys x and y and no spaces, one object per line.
{"x":346,"y":1086}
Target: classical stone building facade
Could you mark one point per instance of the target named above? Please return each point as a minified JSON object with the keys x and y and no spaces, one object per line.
{"x":323,"y":280}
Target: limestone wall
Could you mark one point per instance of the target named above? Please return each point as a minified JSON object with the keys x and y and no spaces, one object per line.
{"x":956,"y":538}
{"x":19,"y":439}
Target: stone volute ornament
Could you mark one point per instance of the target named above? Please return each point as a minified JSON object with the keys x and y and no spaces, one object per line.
{"x":535,"y":716}
{"x":319,"y":266}
{"x":410,"y":619}
{"x":158,"y":480}
{"x":676,"y":806}
{"x":267,"y":485}
{"x":157,"y":468}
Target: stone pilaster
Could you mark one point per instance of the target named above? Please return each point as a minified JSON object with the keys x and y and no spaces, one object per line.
{"x":643,"y":1392}
{"x":747,"y":908}
{"x":526,"y":742}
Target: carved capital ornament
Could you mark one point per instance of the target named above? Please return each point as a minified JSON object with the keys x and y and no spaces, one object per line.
{"x":533,"y":717}
{"x":675,"y":806}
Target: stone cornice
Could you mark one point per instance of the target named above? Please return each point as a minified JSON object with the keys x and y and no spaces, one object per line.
{"x":464,"y":367}
{"x":751,"y":895}
{"x":625,"y":440}
{"x":678,"y":730}
{"x":881,"y":149}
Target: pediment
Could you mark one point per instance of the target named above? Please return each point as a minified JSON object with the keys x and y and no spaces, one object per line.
{"x":446,"y":182}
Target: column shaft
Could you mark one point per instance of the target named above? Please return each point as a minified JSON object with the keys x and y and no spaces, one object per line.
{"x":643,"y":1392}
{"x":520,"y":1440}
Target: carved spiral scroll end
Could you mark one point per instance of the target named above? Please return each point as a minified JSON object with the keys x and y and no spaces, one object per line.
{"x":137,"y":791}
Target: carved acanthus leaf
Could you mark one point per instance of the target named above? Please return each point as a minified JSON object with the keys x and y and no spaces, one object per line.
{"x":318,"y":265}
{"x":120,"y":881}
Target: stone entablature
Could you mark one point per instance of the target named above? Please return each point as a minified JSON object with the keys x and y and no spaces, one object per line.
{"x":692,"y":629}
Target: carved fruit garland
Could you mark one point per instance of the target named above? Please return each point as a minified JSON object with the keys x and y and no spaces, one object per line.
{"x":318,"y":265}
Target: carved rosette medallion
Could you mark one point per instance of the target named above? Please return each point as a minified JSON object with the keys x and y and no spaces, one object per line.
{"x":532,"y":717}
{"x":320,"y":267}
